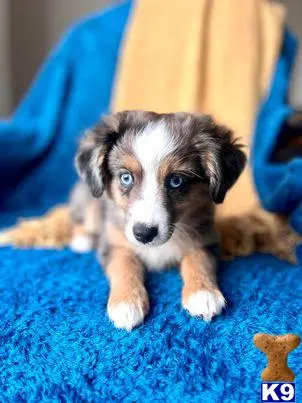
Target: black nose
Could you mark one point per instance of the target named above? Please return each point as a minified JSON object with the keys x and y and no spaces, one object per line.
{"x":143,"y":233}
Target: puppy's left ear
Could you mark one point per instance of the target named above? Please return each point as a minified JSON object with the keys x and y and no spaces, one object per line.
{"x":91,"y":158}
{"x":222,"y":157}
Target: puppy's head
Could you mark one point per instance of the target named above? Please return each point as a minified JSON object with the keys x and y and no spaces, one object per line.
{"x":157,"y":167}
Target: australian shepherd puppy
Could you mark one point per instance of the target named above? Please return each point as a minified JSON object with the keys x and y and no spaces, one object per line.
{"x":149,"y":183}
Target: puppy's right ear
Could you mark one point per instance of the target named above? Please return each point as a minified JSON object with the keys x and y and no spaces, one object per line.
{"x":91,"y":158}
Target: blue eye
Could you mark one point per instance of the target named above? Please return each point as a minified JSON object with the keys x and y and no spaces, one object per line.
{"x":126,"y":180}
{"x":175,"y":182}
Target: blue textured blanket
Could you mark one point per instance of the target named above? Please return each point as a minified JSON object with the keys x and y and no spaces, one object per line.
{"x":56,"y":343}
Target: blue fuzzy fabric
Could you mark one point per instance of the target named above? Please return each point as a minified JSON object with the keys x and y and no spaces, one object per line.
{"x":279,"y":185}
{"x":70,"y":93}
{"x":56,"y":343}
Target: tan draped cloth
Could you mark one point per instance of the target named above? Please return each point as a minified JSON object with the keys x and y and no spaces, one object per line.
{"x":204,"y":56}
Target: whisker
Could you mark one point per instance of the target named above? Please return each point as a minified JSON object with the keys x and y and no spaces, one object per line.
{"x":194,"y":173}
{"x":188,"y":156}
{"x":191,"y":230}
{"x":181,"y":229}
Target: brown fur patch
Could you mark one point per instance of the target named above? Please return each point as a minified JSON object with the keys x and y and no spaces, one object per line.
{"x":198,"y":272}
{"x":125,"y":273}
{"x":124,"y":159}
{"x":116,"y":194}
{"x":129,"y":162}
{"x":177,"y":163}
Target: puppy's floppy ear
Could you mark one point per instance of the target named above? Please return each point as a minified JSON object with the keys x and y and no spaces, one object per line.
{"x":91,"y":158}
{"x":221,"y":157}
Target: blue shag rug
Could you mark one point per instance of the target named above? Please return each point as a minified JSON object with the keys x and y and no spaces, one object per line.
{"x":57,"y":344}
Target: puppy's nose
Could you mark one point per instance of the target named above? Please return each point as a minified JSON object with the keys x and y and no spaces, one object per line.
{"x":144,"y":233}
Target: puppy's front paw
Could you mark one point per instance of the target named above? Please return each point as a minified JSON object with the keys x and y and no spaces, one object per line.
{"x":127,"y":312}
{"x":81,"y":243}
{"x":204,"y":303}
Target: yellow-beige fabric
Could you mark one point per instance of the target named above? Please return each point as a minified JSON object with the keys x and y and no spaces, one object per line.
{"x":203,"y":56}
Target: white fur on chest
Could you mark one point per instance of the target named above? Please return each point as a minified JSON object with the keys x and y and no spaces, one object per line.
{"x":160,"y":257}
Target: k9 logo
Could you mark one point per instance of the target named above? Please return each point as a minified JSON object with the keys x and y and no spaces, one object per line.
{"x":278,"y":392}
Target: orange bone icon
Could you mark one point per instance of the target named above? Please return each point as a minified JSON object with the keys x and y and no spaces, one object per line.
{"x":276,"y":349}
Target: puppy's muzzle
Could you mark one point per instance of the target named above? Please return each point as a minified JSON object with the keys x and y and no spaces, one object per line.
{"x":144,"y":233}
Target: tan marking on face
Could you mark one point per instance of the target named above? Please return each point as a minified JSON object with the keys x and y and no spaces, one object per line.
{"x":129,"y":162}
{"x":116,"y":194}
{"x":198,"y":272}
{"x":123,"y":200}
{"x":174,"y":163}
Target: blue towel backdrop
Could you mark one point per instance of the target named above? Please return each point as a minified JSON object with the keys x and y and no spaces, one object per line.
{"x":279,"y":185}
{"x":71,"y":91}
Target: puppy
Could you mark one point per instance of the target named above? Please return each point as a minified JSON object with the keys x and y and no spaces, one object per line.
{"x":146,"y":200}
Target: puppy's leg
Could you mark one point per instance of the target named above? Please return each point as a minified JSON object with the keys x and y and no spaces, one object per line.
{"x":201,"y":295}
{"x":128,"y":300}
{"x":86,"y":215}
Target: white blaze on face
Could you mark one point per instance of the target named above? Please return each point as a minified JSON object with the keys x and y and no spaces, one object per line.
{"x":151,"y":146}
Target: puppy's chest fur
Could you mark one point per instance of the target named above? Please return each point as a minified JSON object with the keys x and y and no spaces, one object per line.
{"x":160,"y":257}
{"x":155,"y":258}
